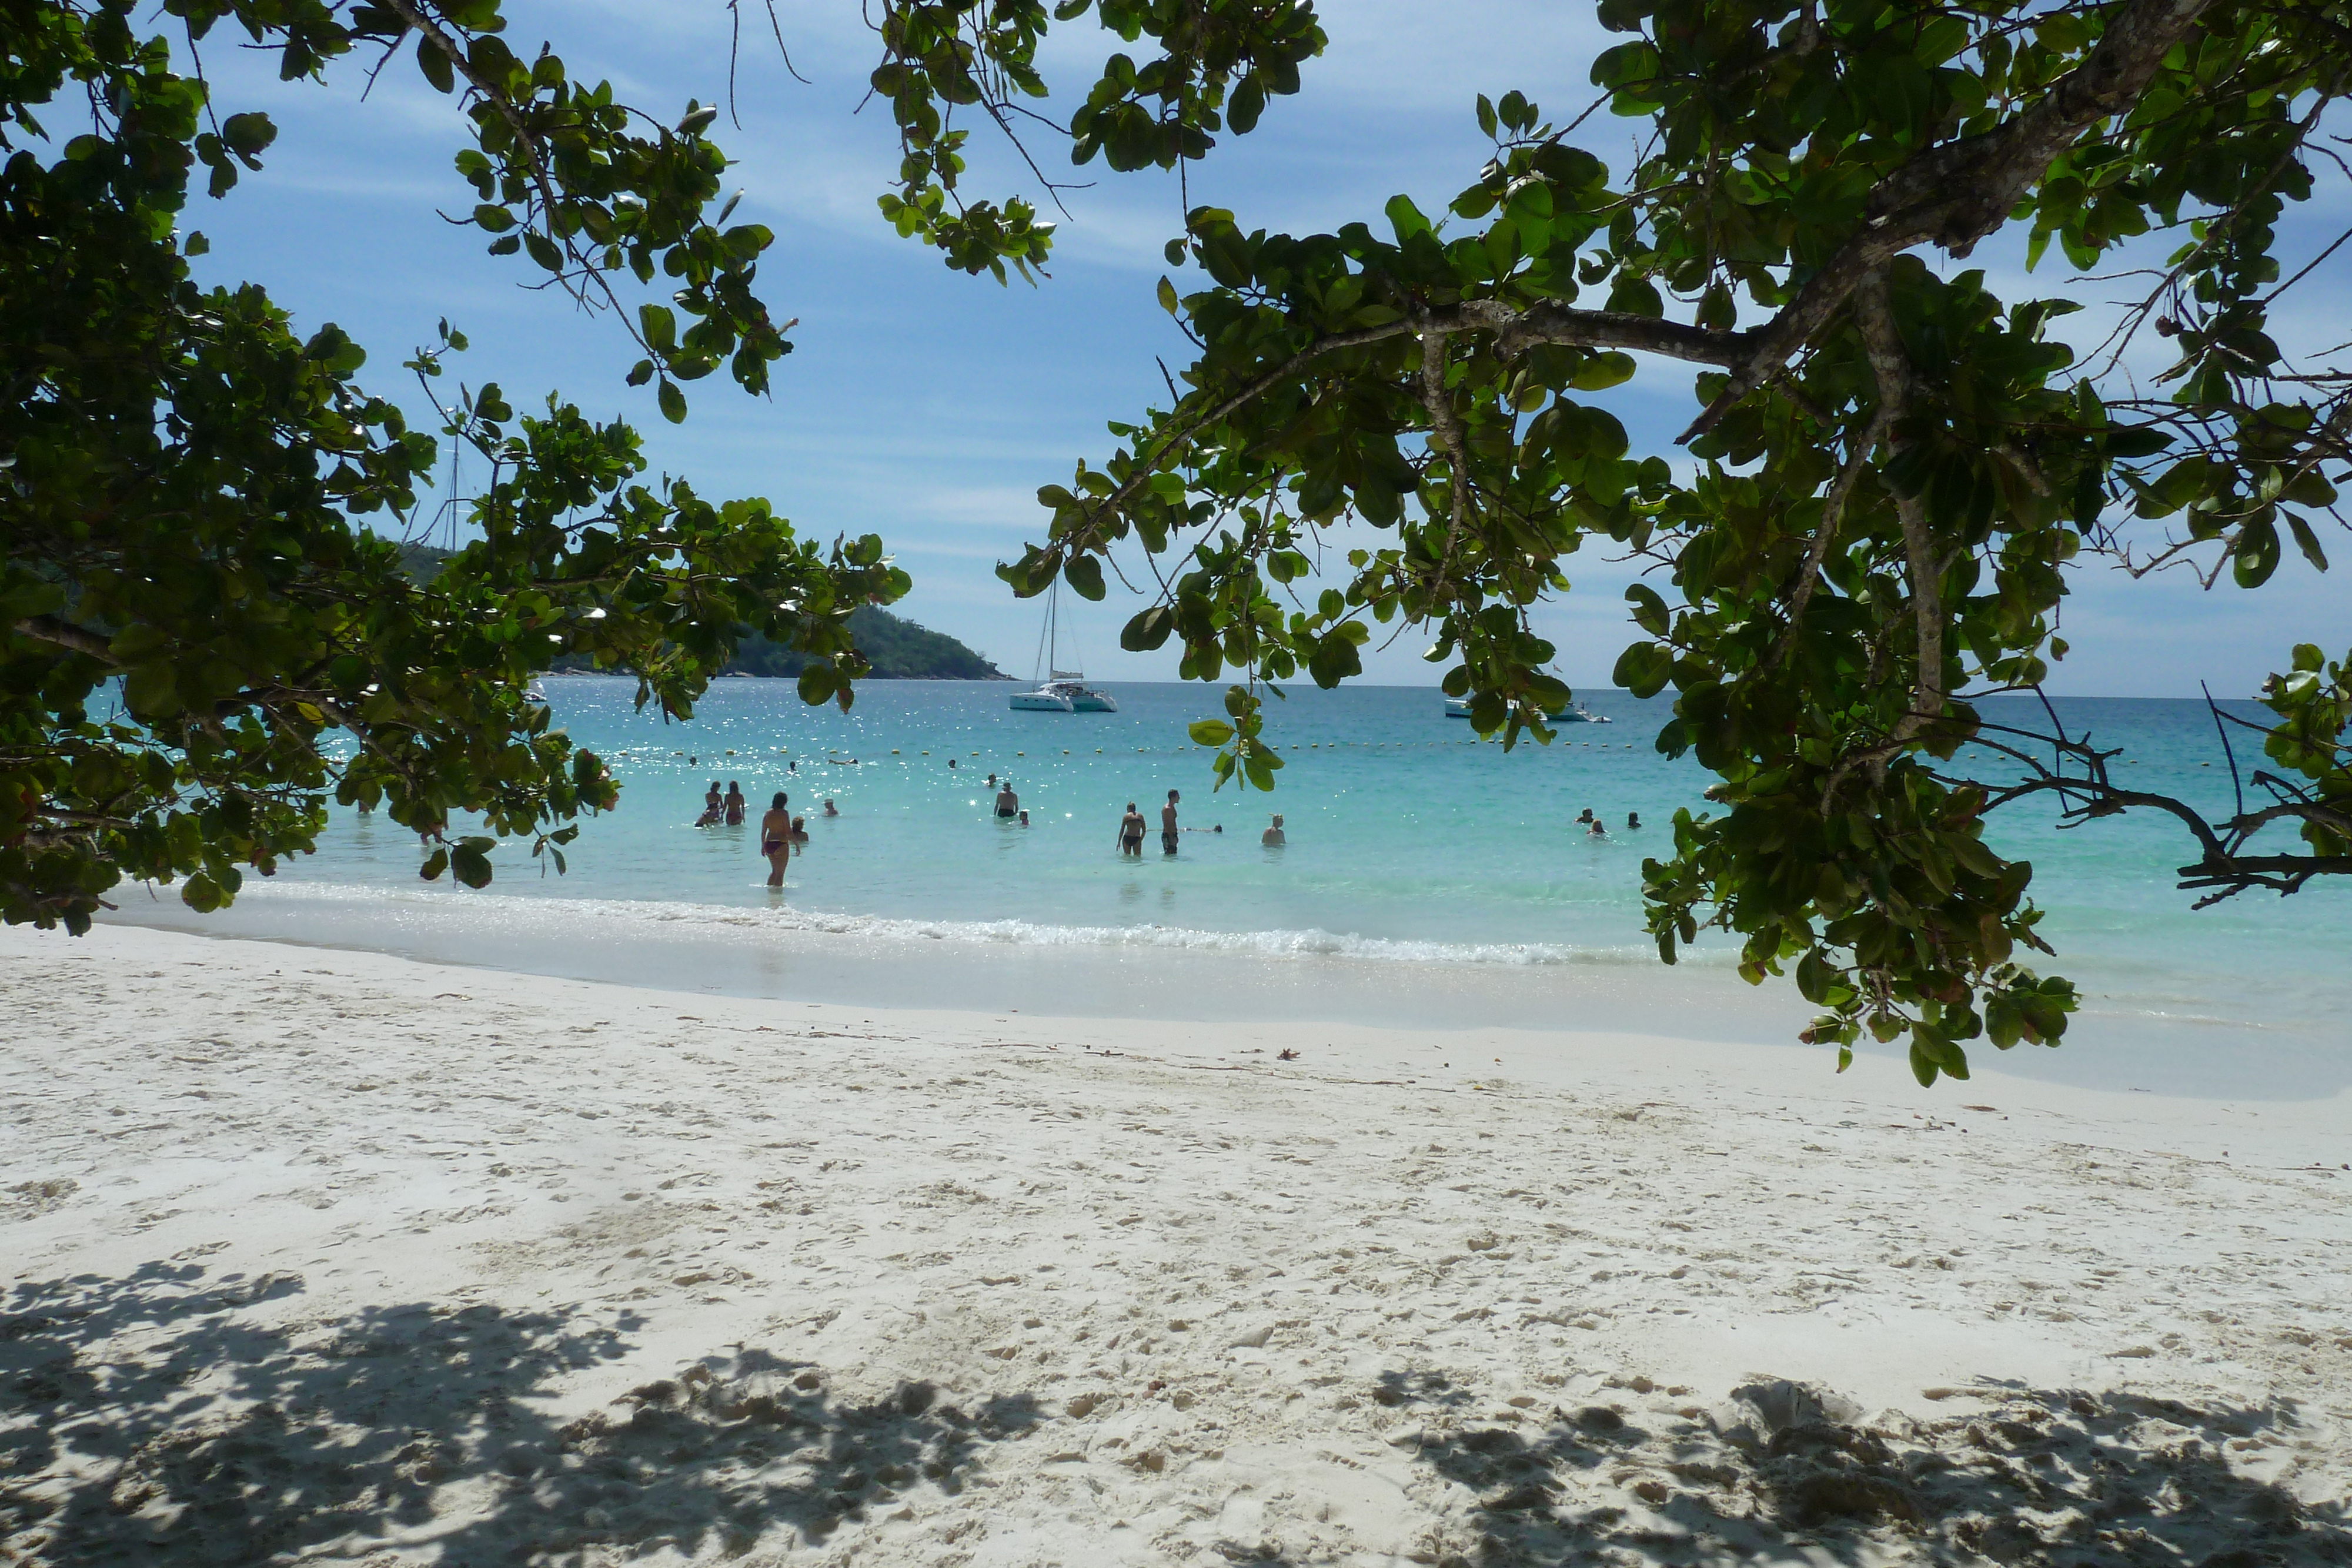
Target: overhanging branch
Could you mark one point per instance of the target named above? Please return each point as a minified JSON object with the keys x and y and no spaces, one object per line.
{"x":66,"y":634}
{"x":1954,"y":194}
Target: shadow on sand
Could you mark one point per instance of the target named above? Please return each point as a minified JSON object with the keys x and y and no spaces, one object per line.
{"x":139,"y":1421}
{"x":1787,"y":1473}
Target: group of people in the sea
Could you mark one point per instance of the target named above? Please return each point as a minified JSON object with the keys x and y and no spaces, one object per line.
{"x":1132,"y":828}
{"x":780,"y":832}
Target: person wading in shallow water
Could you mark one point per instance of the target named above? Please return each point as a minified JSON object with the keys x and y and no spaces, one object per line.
{"x":776,"y":838}
{"x":1168,"y":830}
{"x":1131,"y":831}
{"x":736,"y":805}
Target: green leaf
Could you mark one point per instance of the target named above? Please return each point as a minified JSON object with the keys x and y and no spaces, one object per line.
{"x":1603,"y":370}
{"x":2306,"y":541}
{"x":658,"y":327}
{"x":202,"y":893}
{"x":672,"y":400}
{"x":2256,"y":553}
{"x":1211,"y":732}
{"x":1405,"y":218}
{"x":1148,"y":630}
{"x":434,"y":65}
{"x":470,"y":865}
{"x":1643,"y":669}
{"x":1247,"y":103}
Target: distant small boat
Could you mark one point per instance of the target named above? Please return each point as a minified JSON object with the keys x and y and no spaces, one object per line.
{"x":1061,"y":690}
{"x":1459,"y":707}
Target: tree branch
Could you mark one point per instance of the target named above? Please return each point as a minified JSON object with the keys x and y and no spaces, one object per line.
{"x":1891,"y":366}
{"x":66,"y":634}
{"x":1514,"y":329}
{"x":1442,"y":425}
{"x":1825,"y":535}
{"x":1956,"y":193}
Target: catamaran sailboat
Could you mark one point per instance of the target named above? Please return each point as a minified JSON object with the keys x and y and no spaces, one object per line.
{"x":1059,"y":690}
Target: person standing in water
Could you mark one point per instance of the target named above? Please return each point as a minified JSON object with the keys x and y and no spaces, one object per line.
{"x":1273,"y":835}
{"x":1131,"y":831}
{"x":735,"y":804}
{"x":1167,"y":829}
{"x":776,"y":838}
{"x":1008,"y":804}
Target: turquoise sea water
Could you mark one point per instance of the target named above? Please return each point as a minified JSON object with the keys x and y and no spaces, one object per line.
{"x":1428,"y":875}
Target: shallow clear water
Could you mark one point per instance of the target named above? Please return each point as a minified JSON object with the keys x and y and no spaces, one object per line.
{"x":1417,"y":854}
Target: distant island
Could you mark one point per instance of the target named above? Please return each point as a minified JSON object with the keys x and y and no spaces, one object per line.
{"x":901,"y":649}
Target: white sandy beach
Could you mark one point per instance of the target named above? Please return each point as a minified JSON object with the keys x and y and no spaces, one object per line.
{"x":322,"y":1256}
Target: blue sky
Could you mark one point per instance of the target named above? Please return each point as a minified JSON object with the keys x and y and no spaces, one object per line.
{"x":928,"y":406}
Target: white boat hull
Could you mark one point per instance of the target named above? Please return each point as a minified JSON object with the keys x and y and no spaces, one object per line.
{"x":1041,"y":702}
{"x":1459,"y":707}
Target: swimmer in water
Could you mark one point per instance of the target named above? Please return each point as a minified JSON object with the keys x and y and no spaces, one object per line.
{"x":1633,"y":819}
{"x":776,"y":838}
{"x":829,"y":810}
{"x":1274,"y":836}
{"x":735,"y":804}
{"x":1024,"y":818}
{"x":1008,"y":804}
{"x":1167,"y":831}
{"x":1131,"y":831}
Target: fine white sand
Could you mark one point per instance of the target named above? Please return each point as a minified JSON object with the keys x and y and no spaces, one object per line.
{"x":326,"y":1256}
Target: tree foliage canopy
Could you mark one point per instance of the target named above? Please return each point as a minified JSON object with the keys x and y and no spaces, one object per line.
{"x":197,"y":594}
{"x":1890,"y":474}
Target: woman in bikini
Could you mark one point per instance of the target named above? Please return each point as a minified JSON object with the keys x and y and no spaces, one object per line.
{"x":1131,"y":831}
{"x":776,"y":838}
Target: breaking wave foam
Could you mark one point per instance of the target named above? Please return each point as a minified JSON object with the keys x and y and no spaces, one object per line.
{"x":554,"y":915}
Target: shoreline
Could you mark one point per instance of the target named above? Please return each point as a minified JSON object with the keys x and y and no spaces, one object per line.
{"x":2131,"y":1033}
{"x":337,"y":1252}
